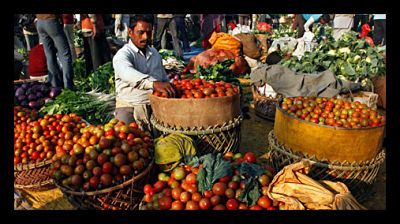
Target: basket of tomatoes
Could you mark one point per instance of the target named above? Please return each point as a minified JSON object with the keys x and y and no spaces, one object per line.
{"x":35,"y":143}
{"x":265,"y":106}
{"x":213,"y":182}
{"x":198,"y":103}
{"x":359,"y":177}
{"x":330,"y":128}
{"x":105,"y":167}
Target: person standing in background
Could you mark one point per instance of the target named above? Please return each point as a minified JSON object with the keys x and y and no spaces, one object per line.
{"x":29,"y":30}
{"x":359,"y":20}
{"x":121,"y":27}
{"x":379,"y":32}
{"x":244,"y":19}
{"x":164,"y":20}
{"x":209,"y":23}
{"x":95,"y":45}
{"x":68,"y":20}
{"x":341,"y":24}
{"x":51,"y":34}
{"x":180,"y":22}
{"x":304,"y":22}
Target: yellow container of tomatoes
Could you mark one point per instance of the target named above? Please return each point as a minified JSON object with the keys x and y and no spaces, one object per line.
{"x":325,"y":141}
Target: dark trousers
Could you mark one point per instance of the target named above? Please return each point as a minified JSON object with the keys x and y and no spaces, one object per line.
{"x":96,"y":52}
{"x":51,"y":33}
{"x":379,"y":33}
{"x":357,"y":19}
{"x":180,"y":22}
{"x":162,"y":24}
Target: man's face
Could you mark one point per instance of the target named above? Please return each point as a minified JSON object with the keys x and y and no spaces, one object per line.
{"x":141,"y":34}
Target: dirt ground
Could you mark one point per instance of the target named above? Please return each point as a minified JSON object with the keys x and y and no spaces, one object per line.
{"x":254,"y":132}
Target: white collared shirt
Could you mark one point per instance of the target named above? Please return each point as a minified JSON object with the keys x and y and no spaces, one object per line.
{"x":136,"y":72}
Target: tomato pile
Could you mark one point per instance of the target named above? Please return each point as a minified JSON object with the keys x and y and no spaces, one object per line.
{"x":179,"y":190}
{"x":102,"y":156}
{"x":199,"y":88}
{"x":333,"y":112}
{"x":36,"y":139}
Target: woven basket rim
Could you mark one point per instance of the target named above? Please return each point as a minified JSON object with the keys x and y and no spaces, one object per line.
{"x":258,"y":97}
{"x":199,"y":130}
{"x":31,"y":166}
{"x":379,"y":158}
{"x":40,"y":184}
{"x":110,"y":189}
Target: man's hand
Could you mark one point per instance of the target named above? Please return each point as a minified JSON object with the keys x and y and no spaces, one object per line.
{"x":165,"y":87}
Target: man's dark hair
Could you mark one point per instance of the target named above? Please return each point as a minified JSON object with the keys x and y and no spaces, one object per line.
{"x":140,"y":17}
{"x":326,"y":17}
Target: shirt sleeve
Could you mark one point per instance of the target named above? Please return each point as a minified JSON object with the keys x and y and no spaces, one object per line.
{"x":307,"y":25}
{"x":126,"y":71}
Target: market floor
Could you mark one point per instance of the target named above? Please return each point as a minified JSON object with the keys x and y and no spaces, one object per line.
{"x":255,"y":129}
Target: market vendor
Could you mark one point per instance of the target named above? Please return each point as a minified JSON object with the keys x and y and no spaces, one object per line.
{"x":138,"y":71}
{"x":304,"y":22}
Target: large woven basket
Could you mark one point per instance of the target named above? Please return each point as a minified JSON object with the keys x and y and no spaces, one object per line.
{"x":33,"y":176}
{"x":125,"y":196}
{"x":220,"y":138}
{"x":264,"y":106}
{"x":358,"y":177}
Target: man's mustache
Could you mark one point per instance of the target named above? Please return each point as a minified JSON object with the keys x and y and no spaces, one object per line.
{"x":143,"y":41}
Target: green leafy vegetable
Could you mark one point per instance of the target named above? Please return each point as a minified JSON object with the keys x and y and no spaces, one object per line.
{"x":214,"y":167}
{"x":84,"y":105}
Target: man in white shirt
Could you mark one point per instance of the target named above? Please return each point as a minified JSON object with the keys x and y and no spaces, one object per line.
{"x":138,"y":71}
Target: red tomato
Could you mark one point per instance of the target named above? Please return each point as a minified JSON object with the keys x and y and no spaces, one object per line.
{"x":250,"y":157}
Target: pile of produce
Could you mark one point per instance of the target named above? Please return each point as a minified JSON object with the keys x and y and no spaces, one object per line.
{"x":171,"y":60}
{"x":102,"y":156}
{"x":199,"y":88}
{"x":333,"y":112}
{"x":349,"y":57}
{"x":283,"y":31}
{"x":213,"y":182}
{"x":37,"y":139}
{"x":102,"y":80}
{"x":34,"y":94}
{"x":84,"y":105}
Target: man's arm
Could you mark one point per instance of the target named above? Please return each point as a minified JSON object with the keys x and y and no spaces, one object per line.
{"x":309,"y":22}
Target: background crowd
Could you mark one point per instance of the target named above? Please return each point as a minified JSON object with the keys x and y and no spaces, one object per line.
{"x":47,"y":44}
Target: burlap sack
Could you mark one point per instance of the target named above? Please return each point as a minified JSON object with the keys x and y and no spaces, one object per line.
{"x":251,"y":48}
{"x":300,"y":192}
{"x":380,"y":88}
{"x":262,"y":38}
{"x":368,"y":98}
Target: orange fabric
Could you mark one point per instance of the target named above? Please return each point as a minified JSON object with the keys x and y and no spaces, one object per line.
{"x":87,"y":24}
{"x":225,"y":41}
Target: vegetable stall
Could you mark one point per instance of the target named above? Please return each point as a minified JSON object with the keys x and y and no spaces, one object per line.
{"x":204,"y":154}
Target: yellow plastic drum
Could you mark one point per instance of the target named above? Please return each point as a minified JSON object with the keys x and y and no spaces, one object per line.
{"x":327,"y":142}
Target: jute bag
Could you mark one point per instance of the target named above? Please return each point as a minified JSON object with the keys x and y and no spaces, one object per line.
{"x":300,"y":192}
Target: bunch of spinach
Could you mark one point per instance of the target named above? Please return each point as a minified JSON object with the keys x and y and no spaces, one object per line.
{"x":218,"y":72}
{"x":102,"y":80}
{"x":86,"y":106}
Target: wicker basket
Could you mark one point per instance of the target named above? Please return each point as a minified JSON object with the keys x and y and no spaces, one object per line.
{"x":219,"y":138}
{"x":264,"y":106}
{"x":125,"y":196}
{"x":33,"y":176}
{"x":358,"y":177}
